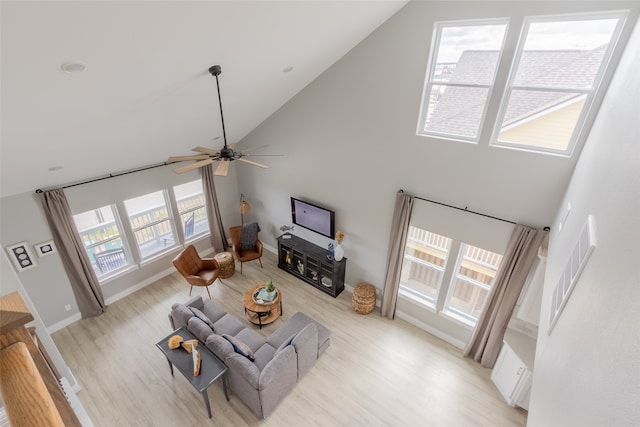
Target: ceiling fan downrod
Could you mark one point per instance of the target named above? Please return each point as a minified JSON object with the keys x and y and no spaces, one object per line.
{"x":225,"y":152}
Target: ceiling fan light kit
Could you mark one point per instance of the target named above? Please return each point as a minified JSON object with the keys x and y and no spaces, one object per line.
{"x":224,"y":156}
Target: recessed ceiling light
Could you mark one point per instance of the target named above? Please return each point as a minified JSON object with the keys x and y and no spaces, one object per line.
{"x":73,"y":67}
{"x":56,"y":168}
{"x":287,"y":69}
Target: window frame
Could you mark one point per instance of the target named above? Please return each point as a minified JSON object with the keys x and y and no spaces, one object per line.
{"x":170,"y":243}
{"x":129,"y":261}
{"x":195,"y":236}
{"x":430,"y":80}
{"x":585,"y":118}
{"x":505,"y":72}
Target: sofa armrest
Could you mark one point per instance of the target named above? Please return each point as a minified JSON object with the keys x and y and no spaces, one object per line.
{"x":244,"y":368}
{"x":280,"y":368}
{"x":305,"y":344}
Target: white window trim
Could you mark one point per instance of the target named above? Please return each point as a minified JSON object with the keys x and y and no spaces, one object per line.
{"x":429,"y":82}
{"x":586,"y":117}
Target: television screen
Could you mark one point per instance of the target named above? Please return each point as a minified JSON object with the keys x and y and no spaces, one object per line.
{"x":313,"y":217}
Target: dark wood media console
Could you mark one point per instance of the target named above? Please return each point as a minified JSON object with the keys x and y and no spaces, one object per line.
{"x":309,"y":262}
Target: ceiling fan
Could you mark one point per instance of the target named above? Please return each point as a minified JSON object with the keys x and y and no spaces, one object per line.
{"x":224,"y":156}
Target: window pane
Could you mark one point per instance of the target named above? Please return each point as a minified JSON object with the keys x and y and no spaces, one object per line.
{"x":558,"y":70}
{"x":425,"y":257}
{"x":564,"y":54}
{"x":100,"y":233}
{"x":541,"y":119}
{"x":456,"y":110}
{"x":475,"y":272}
{"x":191,"y":206}
{"x":151,"y":223}
{"x":469,"y":53}
{"x":460,"y":78}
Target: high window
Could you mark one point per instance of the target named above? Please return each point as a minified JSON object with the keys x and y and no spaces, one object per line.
{"x":551,"y":80}
{"x":100,"y":231}
{"x":192,"y":210}
{"x":460,"y":79}
{"x":151,"y":223}
{"x":558,"y":67}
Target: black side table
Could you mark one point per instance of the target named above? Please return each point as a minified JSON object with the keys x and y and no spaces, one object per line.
{"x":211,"y":368}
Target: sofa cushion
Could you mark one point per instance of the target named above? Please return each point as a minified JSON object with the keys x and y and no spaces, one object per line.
{"x":251,"y":338}
{"x":199,"y":329}
{"x":228,"y":324}
{"x":285,"y":343}
{"x":219,"y":346}
{"x":212,"y":310}
{"x":200,"y":315}
{"x":181,"y":315}
{"x":240,"y":347}
{"x":263,"y":356}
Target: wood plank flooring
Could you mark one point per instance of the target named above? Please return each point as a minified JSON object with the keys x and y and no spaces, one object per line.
{"x":377,"y":372}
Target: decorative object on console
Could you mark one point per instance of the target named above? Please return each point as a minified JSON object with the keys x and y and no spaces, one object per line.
{"x":286,"y":229}
{"x":21,"y":256}
{"x":45,"y":248}
{"x":244,"y":207}
{"x":338,"y":251}
{"x":300,"y":267}
{"x":330,"y":251}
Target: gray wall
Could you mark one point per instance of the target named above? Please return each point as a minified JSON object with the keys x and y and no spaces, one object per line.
{"x":587,"y":372}
{"x":349,"y":140}
{"x":47,"y":284}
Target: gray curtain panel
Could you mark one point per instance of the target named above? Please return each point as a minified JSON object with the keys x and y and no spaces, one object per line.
{"x":218,"y":238}
{"x":397,"y":242}
{"x":520,"y":256}
{"x":75,"y":259}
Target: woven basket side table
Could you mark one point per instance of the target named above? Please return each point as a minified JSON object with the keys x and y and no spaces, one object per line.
{"x":226,"y":263}
{"x":363,"y":300}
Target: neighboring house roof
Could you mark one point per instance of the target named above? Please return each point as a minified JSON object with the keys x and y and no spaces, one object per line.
{"x":460,"y":109}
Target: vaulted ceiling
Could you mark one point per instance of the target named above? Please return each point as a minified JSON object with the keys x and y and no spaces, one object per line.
{"x":146,"y":93}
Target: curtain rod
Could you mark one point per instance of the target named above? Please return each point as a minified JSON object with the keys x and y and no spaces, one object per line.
{"x":111,"y":175}
{"x":465,"y":209}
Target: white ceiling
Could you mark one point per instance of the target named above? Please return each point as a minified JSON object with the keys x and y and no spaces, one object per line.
{"x":146,"y":93}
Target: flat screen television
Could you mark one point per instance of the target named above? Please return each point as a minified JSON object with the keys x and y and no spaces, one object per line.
{"x":313,"y":217}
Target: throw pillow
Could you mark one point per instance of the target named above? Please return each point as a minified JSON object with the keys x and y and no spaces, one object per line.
{"x":240,"y":347}
{"x":249,"y":236}
{"x":200,"y":315}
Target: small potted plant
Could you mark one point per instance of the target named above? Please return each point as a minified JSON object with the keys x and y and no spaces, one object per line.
{"x":270,"y":288}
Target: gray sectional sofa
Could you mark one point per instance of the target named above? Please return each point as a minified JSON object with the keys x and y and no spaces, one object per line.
{"x":262,"y":371}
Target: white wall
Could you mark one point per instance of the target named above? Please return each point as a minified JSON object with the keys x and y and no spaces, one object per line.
{"x":349,"y":142}
{"x":587,"y":372}
{"x":47,"y":284}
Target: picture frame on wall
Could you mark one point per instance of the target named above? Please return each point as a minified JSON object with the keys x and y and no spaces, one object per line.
{"x":21,"y":256}
{"x":45,"y":248}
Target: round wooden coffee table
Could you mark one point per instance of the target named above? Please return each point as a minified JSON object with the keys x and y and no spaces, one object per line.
{"x":261,"y":313}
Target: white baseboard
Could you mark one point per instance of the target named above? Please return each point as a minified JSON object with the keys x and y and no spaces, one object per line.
{"x":430,"y":329}
{"x":63,"y":323}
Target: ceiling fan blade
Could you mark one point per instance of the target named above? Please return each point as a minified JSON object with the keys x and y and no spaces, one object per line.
{"x":174,"y":159}
{"x":248,"y":150}
{"x":205,"y":150}
{"x":223,"y":168}
{"x":196,"y":165}
{"x":255,"y":164}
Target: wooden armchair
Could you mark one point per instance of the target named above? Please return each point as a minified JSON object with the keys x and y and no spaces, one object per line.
{"x":198,"y":271}
{"x":246,"y":252}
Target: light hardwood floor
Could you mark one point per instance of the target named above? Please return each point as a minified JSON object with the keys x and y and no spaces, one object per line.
{"x":377,"y":372}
